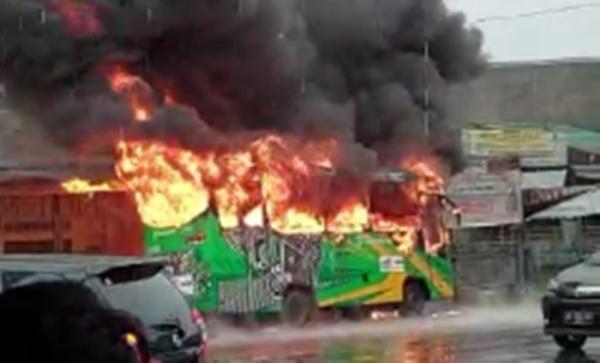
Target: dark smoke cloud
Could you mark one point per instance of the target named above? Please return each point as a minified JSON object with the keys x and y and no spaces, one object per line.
{"x":351,"y":68}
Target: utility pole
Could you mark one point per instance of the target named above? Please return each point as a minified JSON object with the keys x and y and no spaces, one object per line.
{"x":426,"y":119}
{"x":426,"y":76}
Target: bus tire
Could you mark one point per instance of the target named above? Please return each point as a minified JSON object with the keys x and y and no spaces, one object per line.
{"x":415,"y":297}
{"x":298,"y":307}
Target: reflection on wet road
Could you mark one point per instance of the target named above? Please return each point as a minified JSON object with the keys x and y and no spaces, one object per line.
{"x":496,"y":336}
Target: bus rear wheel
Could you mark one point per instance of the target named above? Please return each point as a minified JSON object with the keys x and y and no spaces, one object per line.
{"x":414,"y":299}
{"x":298,"y":308}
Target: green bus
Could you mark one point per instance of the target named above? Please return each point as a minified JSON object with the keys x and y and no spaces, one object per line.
{"x":244,"y":271}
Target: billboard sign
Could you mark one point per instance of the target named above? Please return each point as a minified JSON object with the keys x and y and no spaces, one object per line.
{"x":533,"y":147}
{"x":487,"y":199}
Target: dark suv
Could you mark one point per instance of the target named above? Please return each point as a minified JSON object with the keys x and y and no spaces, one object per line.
{"x":571,"y":306}
{"x":138,"y":286}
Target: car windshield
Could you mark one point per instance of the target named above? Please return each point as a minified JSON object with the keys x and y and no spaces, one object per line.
{"x":148,"y":294}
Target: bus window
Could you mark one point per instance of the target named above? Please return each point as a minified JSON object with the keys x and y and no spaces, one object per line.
{"x":392,"y":198}
{"x":392,"y":207}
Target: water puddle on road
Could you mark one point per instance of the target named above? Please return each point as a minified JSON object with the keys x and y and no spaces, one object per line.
{"x":409,"y":350}
{"x":444,"y":337}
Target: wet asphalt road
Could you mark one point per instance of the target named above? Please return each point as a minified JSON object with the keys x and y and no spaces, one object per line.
{"x":482,"y":335}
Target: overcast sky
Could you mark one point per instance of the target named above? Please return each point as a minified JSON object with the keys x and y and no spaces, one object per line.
{"x":568,"y":34}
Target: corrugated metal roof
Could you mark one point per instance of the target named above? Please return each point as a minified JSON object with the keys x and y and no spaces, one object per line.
{"x":544,"y":179}
{"x":582,"y":139}
{"x":590,"y":172}
{"x":584,"y":205}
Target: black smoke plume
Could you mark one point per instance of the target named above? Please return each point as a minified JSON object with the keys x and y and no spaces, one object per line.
{"x":366,"y":71}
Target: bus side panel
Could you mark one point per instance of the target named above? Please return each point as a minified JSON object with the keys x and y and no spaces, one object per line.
{"x":442,"y":278}
{"x":368,"y":269}
{"x":232,"y":270}
{"x":435,"y":271}
{"x":362,"y":268}
{"x":200,"y":250}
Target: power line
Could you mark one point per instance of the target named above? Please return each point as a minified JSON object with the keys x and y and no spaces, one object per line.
{"x":538,"y":13}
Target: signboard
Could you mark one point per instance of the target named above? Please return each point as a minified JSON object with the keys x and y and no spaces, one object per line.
{"x":534,"y":147}
{"x":487,"y":199}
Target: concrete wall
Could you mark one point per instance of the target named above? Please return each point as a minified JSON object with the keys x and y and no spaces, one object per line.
{"x":566,"y":92}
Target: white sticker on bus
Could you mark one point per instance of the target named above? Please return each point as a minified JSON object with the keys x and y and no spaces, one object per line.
{"x":391,"y":264}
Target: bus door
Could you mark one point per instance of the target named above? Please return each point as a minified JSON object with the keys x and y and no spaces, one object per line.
{"x":264,"y":282}
{"x":439,"y":268}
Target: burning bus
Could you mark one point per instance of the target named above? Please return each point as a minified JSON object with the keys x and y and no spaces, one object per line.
{"x":272,"y":223}
{"x":274,"y":227}
{"x":375,"y":253}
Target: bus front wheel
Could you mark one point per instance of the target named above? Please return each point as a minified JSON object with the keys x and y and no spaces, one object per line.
{"x":414,"y":298}
{"x":298,"y":307}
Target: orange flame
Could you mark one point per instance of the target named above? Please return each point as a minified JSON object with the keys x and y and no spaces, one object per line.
{"x":404,"y":239}
{"x":429,"y":187}
{"x":270,"y":180}
{"x":289,"y":184}
{"x":135,"y":90}
{"x":352,"y":218}
{"x":239,"y":192}
{"x":429,"y":180}
{"x":165,"y":181}
{"x":83,"y":186}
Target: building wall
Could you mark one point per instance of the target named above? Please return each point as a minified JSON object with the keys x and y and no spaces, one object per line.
{"x":565,"y":92}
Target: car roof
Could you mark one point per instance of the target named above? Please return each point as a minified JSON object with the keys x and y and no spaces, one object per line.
{"x":71,"y":263}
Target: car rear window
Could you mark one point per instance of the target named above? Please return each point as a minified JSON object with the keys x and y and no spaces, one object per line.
{"x":145,"y":292}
